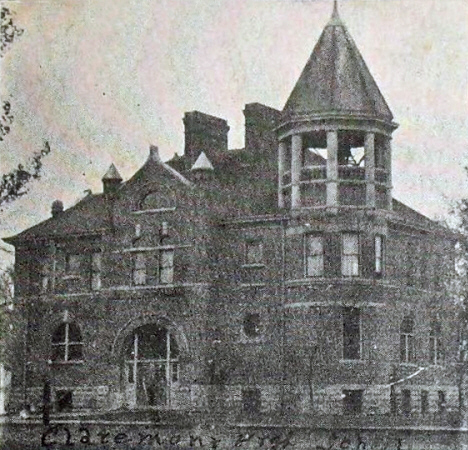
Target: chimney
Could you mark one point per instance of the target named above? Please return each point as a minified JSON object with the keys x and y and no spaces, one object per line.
{"x":111,"y":180}
{"x":204,"y":133}
{"x":260,"y":124}
{"x":57,"y":208}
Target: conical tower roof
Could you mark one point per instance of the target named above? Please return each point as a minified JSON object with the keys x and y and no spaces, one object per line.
{"x":336,"y":79}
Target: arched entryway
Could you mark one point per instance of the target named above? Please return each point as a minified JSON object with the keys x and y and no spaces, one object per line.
{"x":151,"y":366}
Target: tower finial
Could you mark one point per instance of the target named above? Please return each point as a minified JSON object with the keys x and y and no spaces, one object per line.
{"x":335,"y":10}
{"x":335,"y":18}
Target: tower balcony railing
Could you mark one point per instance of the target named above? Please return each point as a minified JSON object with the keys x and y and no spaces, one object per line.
{"x":313,"y":173}
{"x":351,"y":173}
{"x":381,"y":176}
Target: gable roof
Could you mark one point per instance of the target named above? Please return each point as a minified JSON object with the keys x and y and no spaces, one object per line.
{"x":90,"y":215}
{"x":336,"y":79}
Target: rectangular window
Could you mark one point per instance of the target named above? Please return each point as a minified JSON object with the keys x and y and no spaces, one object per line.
{"x":351,"y":333}
{"x":350,"y":255}
{"x":352,"y":401}
{"x":314,"y":255}
{"x":441,"y":404}
{"x":73,"y":264}
{"x":406,"y":402}
{"x":379,"y":255}
{"x":253,"y":252}
{"x":64,"y":401}
{"x":166,"y":266}
{"x":435,"y":344}
{"x":424,"y":402}
{"x":96,"y":271}
{"x":45,"y":278}
{"x":139,"y":269}
{"x":251,"y":401}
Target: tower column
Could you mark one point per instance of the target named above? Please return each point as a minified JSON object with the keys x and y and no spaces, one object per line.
{"x":332,"y":168}
{"x":369,"y":152}
{"x":388,"y":168}
{"x":282,"y":146}
{"x":296,"y":163}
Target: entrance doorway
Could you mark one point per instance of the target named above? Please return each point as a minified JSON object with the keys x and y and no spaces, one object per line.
{"x":151,"y":358}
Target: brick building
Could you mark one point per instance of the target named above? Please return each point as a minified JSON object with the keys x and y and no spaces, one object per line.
{"x":274,"y":292}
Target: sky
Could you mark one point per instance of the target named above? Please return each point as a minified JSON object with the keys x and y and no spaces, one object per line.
{"x":101,"y":80}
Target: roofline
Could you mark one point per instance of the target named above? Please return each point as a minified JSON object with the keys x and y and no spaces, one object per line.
{"x":12,"y":240}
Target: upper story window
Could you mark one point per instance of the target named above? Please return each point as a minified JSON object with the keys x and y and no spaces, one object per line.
{"x":435,"y":343}
{"x":96,"y":271}
{"x":351,"y":333}
{"x":350,"y":255}
{"x":407,"y":340}
{"x":253,"y":252}
{"x":156,"y":201}
{"x":379,"y":255}
{"x":67,"y":344}
{"x":314,"y":255}
{"x":139,"y":269}
{"x":166,"y":266}
{"x":252,"y":325}
{"x":73,"y":264}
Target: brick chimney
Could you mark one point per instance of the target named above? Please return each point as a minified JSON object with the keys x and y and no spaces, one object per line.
{"x":204,"y":133}
{"x":260,"y":124}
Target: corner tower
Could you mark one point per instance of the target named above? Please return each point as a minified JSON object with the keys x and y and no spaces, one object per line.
{"x":335,"y":131}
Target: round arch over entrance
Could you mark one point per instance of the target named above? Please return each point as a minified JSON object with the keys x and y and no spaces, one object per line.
{"x":150,"y":365}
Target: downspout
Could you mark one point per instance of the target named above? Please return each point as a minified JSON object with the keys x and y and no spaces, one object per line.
{"x":283,"y":316}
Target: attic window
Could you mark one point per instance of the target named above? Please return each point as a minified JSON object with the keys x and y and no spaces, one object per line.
{"x":157,"y":201}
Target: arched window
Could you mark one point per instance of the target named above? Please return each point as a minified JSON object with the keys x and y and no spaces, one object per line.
{"x":67,"y":344}
{"x":435,"y":343}
{"x":151,"y":357}
{"x":407,"y":340}
{"x":157,"y":200}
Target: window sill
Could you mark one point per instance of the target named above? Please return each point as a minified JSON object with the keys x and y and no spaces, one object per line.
{"x":353,"y":361}
{"x":154,"y":211}
{"x":65,"y":363}
{"x":253,"y":266}
{"x":71,"y":277}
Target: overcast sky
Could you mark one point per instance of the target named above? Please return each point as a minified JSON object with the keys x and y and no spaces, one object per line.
{"x":102,"y":79}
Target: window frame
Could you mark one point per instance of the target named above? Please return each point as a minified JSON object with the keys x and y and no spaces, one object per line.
{"x":406,"y":402}
{"x":345,"y":355}
{"x":256,"y":322}
{"x":351,"y":407}
{"x":354,"y":257}
{"x":407,"y":339}
{"x":73,"y":264}
{"x":168,"y":268}
{"x":320,"y":256}
{"x":257,"y":262}
{"x":251,"y":400}
{"x":95,"y":271}
{"x":66,"y":344}
{"x":139,"y":269}
{"x":379,"y":257}
{"x":436,"y":355}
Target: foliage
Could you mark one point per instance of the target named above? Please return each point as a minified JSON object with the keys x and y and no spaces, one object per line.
{"x":15,"y":183}
{"x":8,"y":33}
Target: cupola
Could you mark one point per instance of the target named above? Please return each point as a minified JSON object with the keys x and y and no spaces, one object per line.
{"x":335,"y":131}
{"x":111,"y":180}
